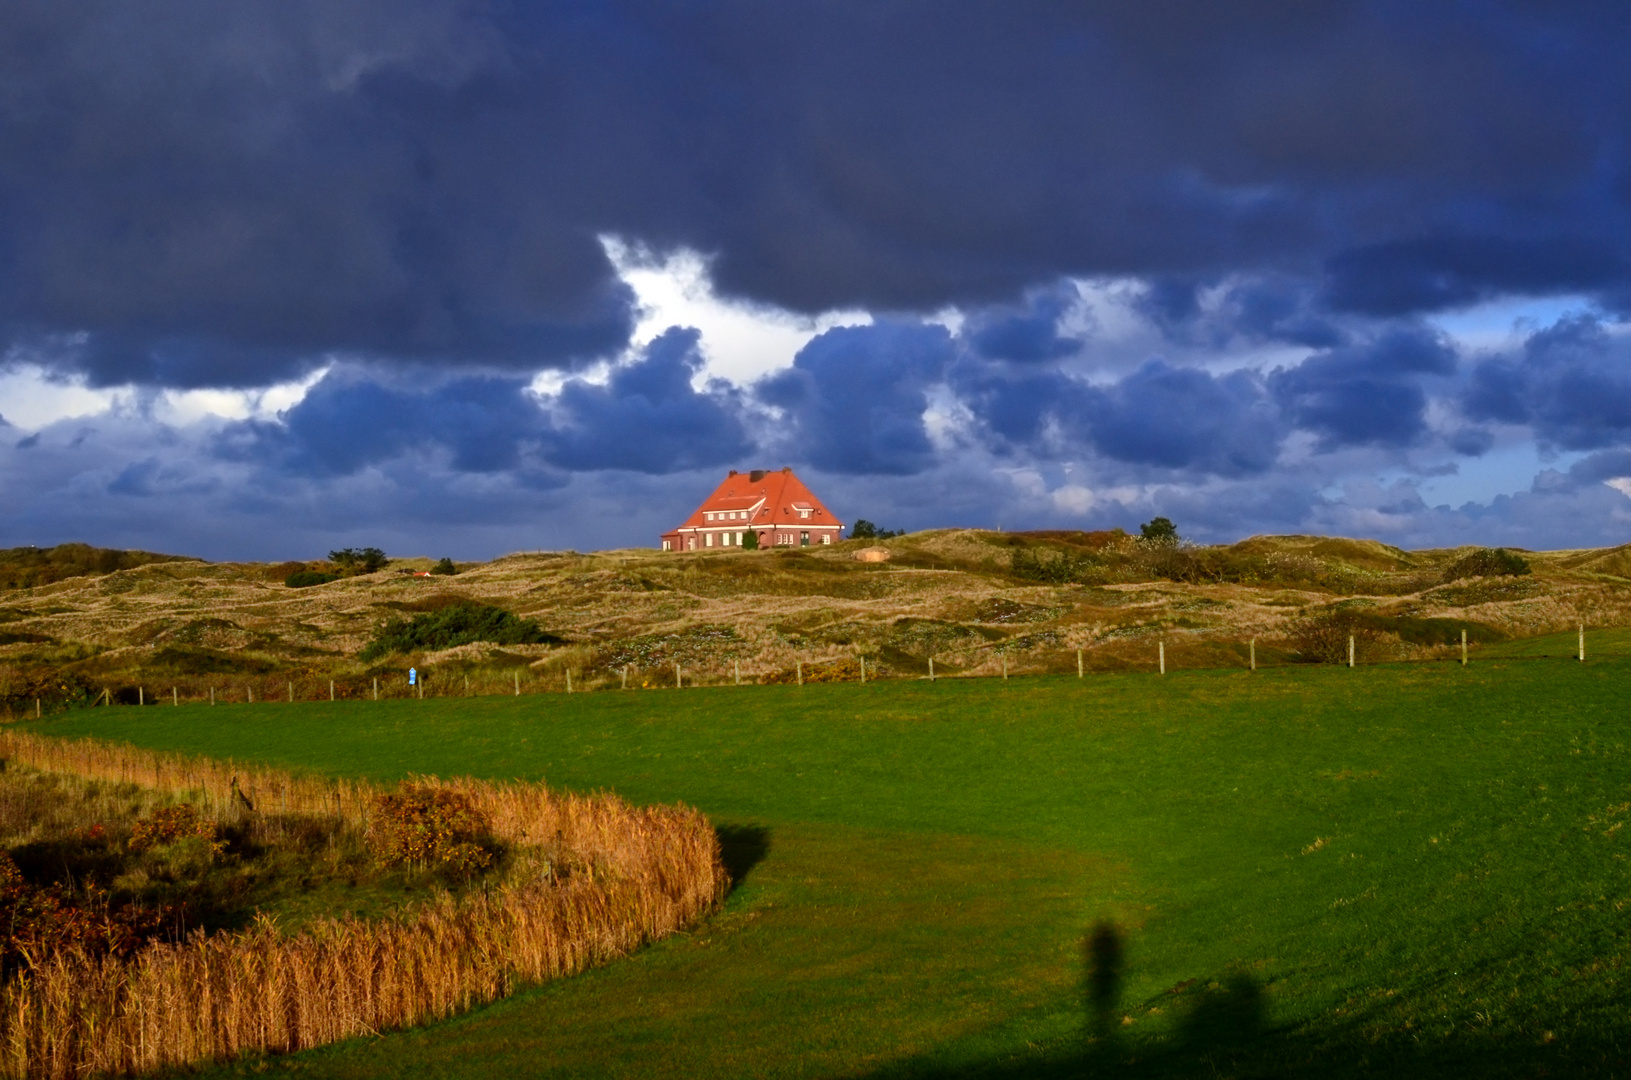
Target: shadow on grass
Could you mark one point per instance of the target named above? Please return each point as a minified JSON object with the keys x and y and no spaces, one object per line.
{"x":1223,"y":1031}
{"x":742,"y":847}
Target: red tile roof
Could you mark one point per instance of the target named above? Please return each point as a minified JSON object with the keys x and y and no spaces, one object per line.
{"x":773,"y":498}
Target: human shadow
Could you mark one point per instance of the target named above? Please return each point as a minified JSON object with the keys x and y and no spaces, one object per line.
{"x":1223,"y":1028}
{"x":742,"y":847}
{"x":1105,"y":949}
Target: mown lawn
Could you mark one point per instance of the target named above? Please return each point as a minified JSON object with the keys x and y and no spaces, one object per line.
{"x":1397,"y":870}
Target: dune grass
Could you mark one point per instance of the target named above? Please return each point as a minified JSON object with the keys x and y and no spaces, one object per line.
{"x":1398,"y":870}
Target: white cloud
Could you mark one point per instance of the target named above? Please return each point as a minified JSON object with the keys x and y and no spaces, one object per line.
{"x":741,"y":342}
{"x":31,"y":400}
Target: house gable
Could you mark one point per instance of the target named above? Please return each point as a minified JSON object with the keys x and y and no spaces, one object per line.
{"x":776,"y":506}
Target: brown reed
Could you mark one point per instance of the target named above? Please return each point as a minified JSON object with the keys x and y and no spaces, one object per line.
{"x":648,"y":871}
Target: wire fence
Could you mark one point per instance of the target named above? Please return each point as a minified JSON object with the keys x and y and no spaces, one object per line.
{"x":1158,"y":656}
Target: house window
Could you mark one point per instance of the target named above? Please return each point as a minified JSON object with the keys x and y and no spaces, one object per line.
{"x":668,"y":545}
{"x":804,"y":539}
{"x":826,"y":538}
{"x":738,"y":539}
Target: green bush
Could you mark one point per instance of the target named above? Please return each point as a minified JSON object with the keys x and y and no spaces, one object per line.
{"x":1159,"y":531}
{"x":303,"y":579}
{"x":1061,"y":568}
{"x":359,"y":560}
{"x":866,"y":530}
{"x":444,"y":566}
{"x":1487,"y":562}
{"x":457,"y":624}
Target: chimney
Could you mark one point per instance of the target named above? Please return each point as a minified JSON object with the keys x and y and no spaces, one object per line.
{"x":755,"y":476}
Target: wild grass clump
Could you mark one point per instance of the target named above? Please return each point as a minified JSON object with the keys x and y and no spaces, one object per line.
{"x":171,"y":823}
{"x":1323,"y":637}
{"x":45,"y":920}
{"x":456,"y":624}
{"x":1487,"y":562}
{"x":426,"y":826}
{"x":305,"y":579}
{"x":1056,"y":568}
{"x":593,"y":878}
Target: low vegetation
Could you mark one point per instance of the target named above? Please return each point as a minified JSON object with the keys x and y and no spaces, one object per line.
{"x":1487,"y":562}
{"x":184,"y":631}
{"x":454,"y":625}
{"x":31,"y":567}
{"x":142,"y":893}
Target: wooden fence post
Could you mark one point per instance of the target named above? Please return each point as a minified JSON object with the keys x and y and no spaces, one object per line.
{"x":568,"y":680}
{"x":1254,"y":654}
{"x":1350,"y":650}
{"x":1582,"y":643}
{"x":1078,"y":663}
{"x":736,"y":669}
{"x":1005,"y":667}
{"x":678,"y":682}
{"x":249,"y":691}
{"x":931,"y":669}
{"x":517,"y":675}
{"x":863,"y":671}
{"x":1463,"y":648}
{"x":800,"y":665}
{"x":37,"y":713}
{"x":625,"y":685}
{"x":141,"y":695}
{"x":467,"y":686}
{"x":175,"y":698}
{"x":1162,"y":651}
{"x":331,"y":689}
{"x":291,"y":691}
{"x":212,"y":695}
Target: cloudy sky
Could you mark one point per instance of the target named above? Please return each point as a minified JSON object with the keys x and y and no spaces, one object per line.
{"x":464,"y":278}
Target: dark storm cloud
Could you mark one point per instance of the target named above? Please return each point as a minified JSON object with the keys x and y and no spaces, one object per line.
{"x":647,"y":418}
{"x":1160,"y":415}
{"x":854,"y":399}
{"x":1250,"y":308}
{"x":1365,"y":394}
{"x":1454,"y":271}
{"x":349,"y":421}
{"x":225,"y":194}
{"x":1027,"y":333}
{"x":1571,"y":383}
{"x":1182,"y":418}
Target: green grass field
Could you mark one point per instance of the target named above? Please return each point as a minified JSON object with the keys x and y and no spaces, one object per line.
{"x":1412,"y":870}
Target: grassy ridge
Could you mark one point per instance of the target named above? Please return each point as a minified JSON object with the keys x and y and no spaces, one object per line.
{"x":1400,"y":868}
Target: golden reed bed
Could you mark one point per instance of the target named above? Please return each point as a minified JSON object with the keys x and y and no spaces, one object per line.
{"x":652,"y":870}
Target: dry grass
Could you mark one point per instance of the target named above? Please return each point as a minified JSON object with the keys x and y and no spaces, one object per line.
{"x":639,"y":874}
{"x":196,"y":627}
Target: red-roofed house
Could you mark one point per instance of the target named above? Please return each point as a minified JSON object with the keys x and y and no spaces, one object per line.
{"x":775,"y":505}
